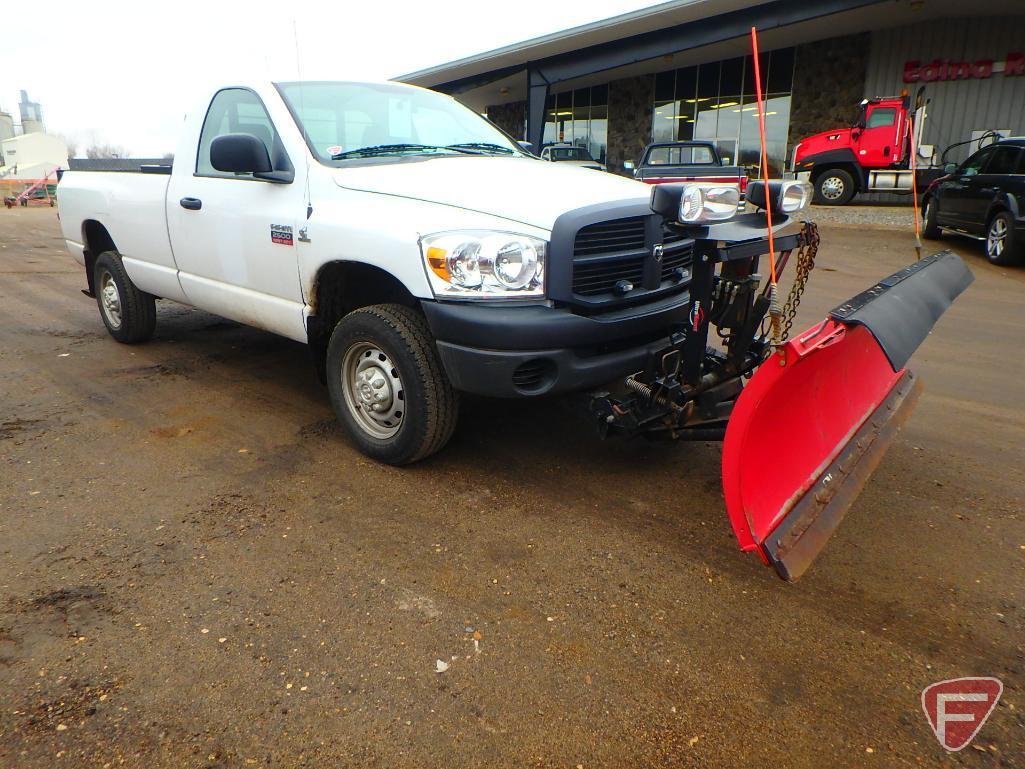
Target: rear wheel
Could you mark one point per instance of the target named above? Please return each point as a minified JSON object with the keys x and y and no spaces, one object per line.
{"x":930,"y":229}
{"x":387,"y":385}
{"x":834,"y":187}
{"x":129,"y":314}
{"x":1002,"y":246}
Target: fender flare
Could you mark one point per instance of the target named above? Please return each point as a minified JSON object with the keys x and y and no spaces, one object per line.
{"x":842,"y":157}
{"x":1005,"y":201}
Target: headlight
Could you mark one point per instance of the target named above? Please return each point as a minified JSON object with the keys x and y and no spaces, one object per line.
{"x":701,"y":203}
{"x":795,"y":196}
{"x":484,"y":265}
{"x":782,"y":197}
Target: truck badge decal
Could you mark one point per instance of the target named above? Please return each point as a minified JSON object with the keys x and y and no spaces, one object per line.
{"x":281,"y":234}
{"x":657,"y":251}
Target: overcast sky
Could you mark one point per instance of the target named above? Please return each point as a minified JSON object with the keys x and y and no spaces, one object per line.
{"x":125,"y":73}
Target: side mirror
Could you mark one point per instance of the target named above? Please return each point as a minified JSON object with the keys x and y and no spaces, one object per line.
{"x":526,"y":146}
{"x":629,"y":165}
{"x":950,"y":168}
{"x":726,"y":161}
{"x":240,"y":154}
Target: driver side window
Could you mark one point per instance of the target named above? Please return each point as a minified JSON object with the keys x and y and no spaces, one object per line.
{"x":974,"y":164}
{"x":235,"y":111}
{"x":881,"y":117}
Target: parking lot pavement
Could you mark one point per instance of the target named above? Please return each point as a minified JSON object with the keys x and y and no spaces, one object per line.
{"x":197,"y":569}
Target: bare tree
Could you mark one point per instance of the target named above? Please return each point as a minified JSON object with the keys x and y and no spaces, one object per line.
{"x":70,"y":143}
{"x":104,"y":151}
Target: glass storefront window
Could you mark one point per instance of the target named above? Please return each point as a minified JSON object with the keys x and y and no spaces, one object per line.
{"x":715,"y":102}
{"x":579,"y":117}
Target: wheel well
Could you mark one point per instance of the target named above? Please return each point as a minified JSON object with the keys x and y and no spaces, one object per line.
{"x":995,"y":209}
{"x":96,"y":240}
{"x":340,"y":288}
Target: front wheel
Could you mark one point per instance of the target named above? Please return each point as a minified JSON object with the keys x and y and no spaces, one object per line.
{"x":930,"y":228}
{"x":834,"y":187}
{"x":1002,"y":246}
{"x":387,"y":385}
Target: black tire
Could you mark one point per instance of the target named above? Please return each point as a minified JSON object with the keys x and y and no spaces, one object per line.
{"x":135,"y":317}
{"x":392,"y":343}
{"x":834,"y":187}
{"x":1010,"y":250}
{"x":930,"y":229}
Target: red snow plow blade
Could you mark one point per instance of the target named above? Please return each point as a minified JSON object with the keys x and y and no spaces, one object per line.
{"x":816,"y":418}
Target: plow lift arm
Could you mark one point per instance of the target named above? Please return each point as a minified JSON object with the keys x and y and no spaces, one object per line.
{"x":817,"y":412}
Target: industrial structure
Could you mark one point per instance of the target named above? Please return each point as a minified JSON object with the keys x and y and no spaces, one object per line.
{"x":31,"y":115}
{"x":30,"y":155}
{"x":682,"y":70}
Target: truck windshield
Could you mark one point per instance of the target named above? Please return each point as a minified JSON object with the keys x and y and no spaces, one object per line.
{"x":344,"y":121}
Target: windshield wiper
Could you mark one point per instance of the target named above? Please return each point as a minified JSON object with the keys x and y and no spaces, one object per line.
{"x":388,"y":149}
{"x":487,"y":146}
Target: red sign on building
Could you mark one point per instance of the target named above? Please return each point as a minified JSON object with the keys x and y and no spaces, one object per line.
{"x":944,"y":69}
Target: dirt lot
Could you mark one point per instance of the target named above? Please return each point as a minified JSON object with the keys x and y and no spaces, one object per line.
{"x":197,"y":570}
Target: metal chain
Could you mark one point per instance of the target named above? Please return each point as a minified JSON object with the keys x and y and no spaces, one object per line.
{"x":806,"y":252}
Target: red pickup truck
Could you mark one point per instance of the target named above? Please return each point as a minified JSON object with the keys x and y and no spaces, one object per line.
{"x":688,"y":161}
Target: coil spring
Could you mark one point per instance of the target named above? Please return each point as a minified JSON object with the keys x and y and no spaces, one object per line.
{"x":660,"y":399}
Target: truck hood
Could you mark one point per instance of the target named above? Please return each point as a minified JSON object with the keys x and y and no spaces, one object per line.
{"x":838,"y":138}
{"x":522,"y":189}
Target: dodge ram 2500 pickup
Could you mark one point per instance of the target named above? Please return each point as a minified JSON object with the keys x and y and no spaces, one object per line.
{"x":421,"y":253}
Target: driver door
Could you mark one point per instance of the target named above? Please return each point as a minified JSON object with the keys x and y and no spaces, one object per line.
{"x":234,"y":236}
{"x":962,"y":189}
{"x":878,"y":143}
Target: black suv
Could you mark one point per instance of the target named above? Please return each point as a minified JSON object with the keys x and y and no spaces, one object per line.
{"x":983,"y":198}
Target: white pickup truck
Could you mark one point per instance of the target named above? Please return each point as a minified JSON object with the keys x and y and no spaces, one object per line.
{"x":400,"y":234}
{"x":421,"y":253}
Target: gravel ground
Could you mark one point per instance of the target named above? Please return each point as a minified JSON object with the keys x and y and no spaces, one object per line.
{"x":198,"y":571}
{"x":887,"y":217}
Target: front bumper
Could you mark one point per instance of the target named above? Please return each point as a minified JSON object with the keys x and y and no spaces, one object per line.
{"x":531,"y":350}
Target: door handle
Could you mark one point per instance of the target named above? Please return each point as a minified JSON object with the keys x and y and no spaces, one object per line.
{"x":193,"y":204}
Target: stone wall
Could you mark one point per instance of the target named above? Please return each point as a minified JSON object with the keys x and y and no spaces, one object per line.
{"x":630,"y":101}
{"x":510,"y":117}
{"x":829,"y":82}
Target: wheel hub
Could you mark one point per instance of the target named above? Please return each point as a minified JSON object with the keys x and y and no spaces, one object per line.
{"x":832,"y":187}
{"x":375,"y":392}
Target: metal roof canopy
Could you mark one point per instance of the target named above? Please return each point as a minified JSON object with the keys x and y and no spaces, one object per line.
{"x":546,"y":72}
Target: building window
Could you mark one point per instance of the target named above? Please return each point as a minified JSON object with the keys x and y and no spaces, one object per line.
{"x":716,"y":102}
{"x":581,"y":118}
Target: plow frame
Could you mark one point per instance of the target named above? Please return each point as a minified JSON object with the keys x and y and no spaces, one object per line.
{"x":802,"y":438}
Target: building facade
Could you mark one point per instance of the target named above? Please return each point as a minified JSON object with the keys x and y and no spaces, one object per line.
{"x":819,"y":59}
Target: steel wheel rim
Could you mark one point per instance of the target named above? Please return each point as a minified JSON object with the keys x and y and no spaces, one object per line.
{"x":832,"y":188}
{"x":110,"y":300}
{"x":997,"y":236}
{"x":372,"y":390}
